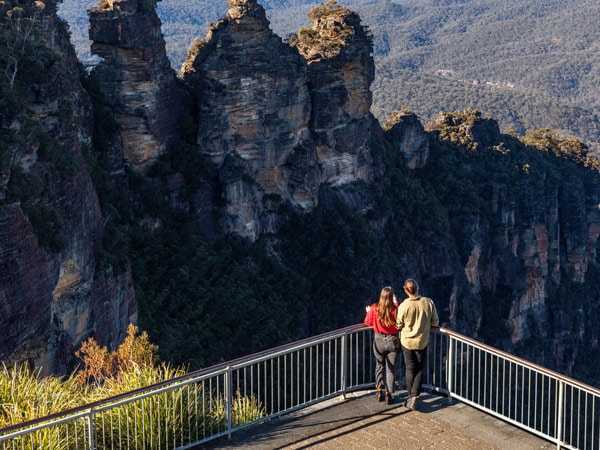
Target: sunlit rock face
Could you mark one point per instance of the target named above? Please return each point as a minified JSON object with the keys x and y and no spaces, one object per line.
{"x":278,"y":127}
{"x":527,"y":262}
{"x":136,"y":76}
{"x":341,"y":70}
{"x":254,"y":111}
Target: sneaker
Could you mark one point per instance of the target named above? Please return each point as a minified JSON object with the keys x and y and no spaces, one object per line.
{"x":411,"y":403}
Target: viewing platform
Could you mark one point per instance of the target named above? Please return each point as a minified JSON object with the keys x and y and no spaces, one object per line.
{"x":318,"y":393}
{"x":361,"y":422}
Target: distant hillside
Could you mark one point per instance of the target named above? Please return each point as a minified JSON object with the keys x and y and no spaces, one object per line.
{"x":528,"y":63}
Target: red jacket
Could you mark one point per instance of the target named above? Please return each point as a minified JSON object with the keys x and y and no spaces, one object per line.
{"x":372,"y":320}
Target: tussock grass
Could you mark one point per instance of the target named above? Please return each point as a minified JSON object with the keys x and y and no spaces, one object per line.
{"x":167,"y":419}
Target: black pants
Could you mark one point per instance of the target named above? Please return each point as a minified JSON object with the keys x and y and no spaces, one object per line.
{"x":386,"y":348}
{"x":414,"y":360}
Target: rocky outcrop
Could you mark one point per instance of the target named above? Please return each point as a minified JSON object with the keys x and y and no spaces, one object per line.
{"x":338,"y":50}
{"x":279,"y":128}
{"x":507,"y":249}
{"x":406,"y":133}
{"x":254,"y":111}
{"x":136,"y":75}
{"x":52,"y":296}
{"x":529,"y":256}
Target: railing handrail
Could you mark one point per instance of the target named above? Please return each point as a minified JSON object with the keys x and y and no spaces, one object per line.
{"x":541,"y":369}
{"x":182,"y":379}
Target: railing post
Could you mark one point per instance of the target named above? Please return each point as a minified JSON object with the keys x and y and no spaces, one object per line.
{"x":92,"y":431}
{"x":344,"y":364}
{"x":559,"y":415}
{"x":228,"y":400}
{"x":449,"y":372}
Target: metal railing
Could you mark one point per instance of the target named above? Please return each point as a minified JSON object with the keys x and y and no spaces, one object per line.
{"x":210,"y":403}
{"x":217,"y":401}
{"x":555,"y":407}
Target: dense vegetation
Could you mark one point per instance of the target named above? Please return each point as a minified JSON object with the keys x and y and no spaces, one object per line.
{"x":527,"y":64}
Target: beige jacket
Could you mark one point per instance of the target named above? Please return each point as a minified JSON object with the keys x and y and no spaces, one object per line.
{"x":415,"y":318}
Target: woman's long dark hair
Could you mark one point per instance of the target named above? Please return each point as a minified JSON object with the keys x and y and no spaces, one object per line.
{"x":385,"y":307}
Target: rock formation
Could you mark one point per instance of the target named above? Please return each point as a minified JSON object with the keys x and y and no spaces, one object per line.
{"x":254,"y":111}
{"x":52,"y":295}
{"x":539,"y":237}
{"x":136,"y":76}
{"x":407,"y":135}
{"x":278,"y":127}
{"x":338,"y":50}
{"x":282,"y":127}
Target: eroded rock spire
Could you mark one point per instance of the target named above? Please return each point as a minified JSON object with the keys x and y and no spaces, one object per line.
{"x":136,"y":76}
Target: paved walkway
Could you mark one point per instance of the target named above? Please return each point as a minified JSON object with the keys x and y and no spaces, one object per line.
{"x":360,"y":422}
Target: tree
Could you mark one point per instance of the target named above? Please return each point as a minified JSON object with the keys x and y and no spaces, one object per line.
{"x":17,"y":27}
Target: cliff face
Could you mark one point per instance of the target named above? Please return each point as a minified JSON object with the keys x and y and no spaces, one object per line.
{"x":532,"y":257}
{"x":407,"y":135}
{"x":284,"y":128}
{"x":137,"y":78}
{"x":254,"y":109}
{"x":340,"y":72}
{"x":51,"y":294}
{"x":279,"y":128}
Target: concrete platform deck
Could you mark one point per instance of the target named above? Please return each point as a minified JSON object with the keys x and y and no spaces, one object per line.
{"x":361,"y":422}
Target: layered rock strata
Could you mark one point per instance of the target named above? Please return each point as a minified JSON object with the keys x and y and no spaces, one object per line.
{"x":406,"y":133}
{"x":254,"y":110}
{"x":279,"y":128}
{"x":539,"y":238}
{"x":136,"y":76}
{"x":52,"y":296}
{"x":338,"y":50}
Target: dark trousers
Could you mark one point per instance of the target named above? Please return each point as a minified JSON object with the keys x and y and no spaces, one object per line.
{"x":414,"y":360}
{"x":386,"y":349}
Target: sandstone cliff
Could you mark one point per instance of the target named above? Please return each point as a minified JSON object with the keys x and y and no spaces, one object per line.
{"x":501,"y":233}
{"x":338,"y":50}
{"x":530,"y":249}
{"x":52,"y":295}
{"x":135,"y":74}
{"x":280,"y":128}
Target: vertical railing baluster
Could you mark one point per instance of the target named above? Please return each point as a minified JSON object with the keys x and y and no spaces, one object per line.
{"x":449,"y":365}
{"x":228,"y":400}
{"x":344,"y":357}
{"x":91,"y":430}
{"x":559,"y":415}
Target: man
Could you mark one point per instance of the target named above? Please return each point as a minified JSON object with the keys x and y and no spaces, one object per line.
{"x":416,"y":315}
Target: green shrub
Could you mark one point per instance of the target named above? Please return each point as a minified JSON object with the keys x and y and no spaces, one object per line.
{"x":25,"y":395}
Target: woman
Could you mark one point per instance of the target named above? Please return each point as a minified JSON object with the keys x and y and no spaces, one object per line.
{"x":386,"y":343}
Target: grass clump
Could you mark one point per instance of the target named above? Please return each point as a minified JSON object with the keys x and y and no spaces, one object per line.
{"x":162,"y":419}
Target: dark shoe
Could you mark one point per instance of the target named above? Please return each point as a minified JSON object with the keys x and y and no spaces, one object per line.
{"x":389,"y":399}
{"x":380,"y":395}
